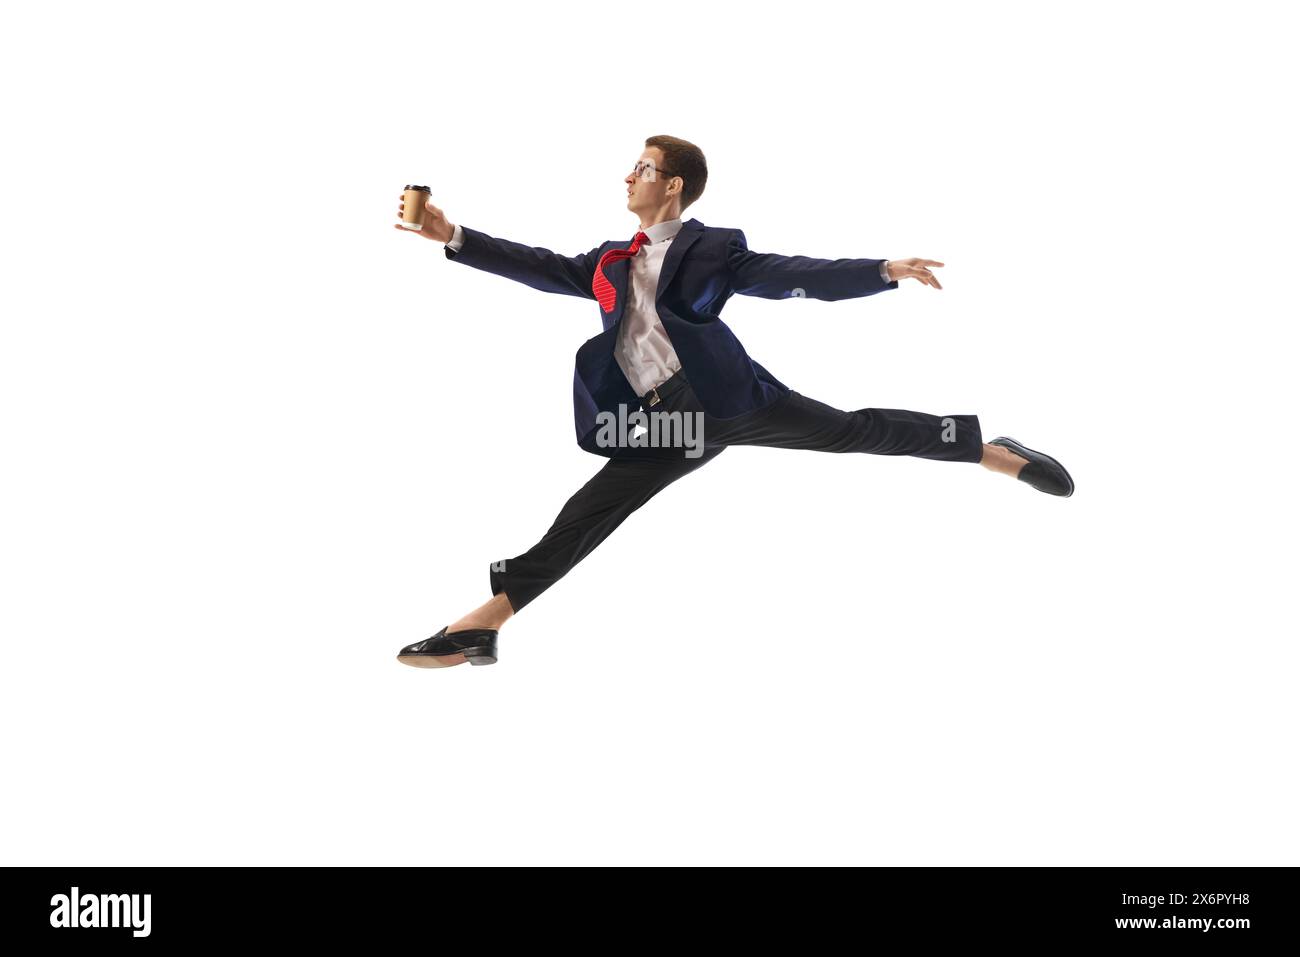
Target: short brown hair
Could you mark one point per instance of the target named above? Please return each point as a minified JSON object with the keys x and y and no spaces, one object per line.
{"x":685,"y":160}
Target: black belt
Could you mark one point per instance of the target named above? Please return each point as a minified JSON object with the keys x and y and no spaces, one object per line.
{"x":672,"y":385}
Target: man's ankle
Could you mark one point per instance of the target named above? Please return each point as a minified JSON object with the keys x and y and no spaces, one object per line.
{"x":495,"y":613}
{"x":999,"y":459}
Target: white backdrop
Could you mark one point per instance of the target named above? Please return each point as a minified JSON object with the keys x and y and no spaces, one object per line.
{"x":256,"y":440}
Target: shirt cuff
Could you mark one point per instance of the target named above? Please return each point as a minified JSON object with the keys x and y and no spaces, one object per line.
{"x":457,"y":239}
{"x":884,"y":270}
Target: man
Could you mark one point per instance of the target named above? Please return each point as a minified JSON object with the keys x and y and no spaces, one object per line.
{"x":665,"y":353}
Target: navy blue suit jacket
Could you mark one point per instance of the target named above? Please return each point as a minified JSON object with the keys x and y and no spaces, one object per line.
{"x":703,"y":267}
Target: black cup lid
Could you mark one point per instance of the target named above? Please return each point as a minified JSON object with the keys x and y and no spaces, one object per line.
{"x":424,"y":188}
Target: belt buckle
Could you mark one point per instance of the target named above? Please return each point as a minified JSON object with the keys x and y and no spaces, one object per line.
{"x":655,"y":392}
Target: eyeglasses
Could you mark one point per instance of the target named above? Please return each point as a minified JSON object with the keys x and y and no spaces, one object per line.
{"x":642,"y":166}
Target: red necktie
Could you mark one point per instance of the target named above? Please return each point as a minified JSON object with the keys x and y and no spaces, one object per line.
{"x":602,"y":287}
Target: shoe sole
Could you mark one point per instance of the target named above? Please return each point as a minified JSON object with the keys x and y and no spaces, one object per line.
{"x":1069,"y":478}
{"x":448,"y":661}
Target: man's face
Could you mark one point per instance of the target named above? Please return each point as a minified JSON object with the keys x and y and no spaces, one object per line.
{"x":648,"y":189}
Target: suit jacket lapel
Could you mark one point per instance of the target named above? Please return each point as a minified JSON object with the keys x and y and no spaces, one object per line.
{"x":691,"y":230}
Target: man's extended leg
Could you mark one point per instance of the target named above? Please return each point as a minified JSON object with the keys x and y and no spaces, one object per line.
{"x":587,"y":518}
{"x":798,"y":422}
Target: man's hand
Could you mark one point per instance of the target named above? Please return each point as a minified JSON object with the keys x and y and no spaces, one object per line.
{"x":915,"y":269}
{"x":435,"y":223}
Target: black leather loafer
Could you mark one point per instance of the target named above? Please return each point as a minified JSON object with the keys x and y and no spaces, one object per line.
{"x":1041,"y":471}
{"x":478,"y":646}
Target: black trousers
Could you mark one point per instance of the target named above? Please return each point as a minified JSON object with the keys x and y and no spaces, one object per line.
{"x":794,"y":421}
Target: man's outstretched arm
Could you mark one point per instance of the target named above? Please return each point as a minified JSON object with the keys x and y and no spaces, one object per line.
{"x":771,"y":276}
{"x":531,"y":265}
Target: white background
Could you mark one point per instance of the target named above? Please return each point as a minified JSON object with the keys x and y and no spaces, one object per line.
{"x":256,"y":440}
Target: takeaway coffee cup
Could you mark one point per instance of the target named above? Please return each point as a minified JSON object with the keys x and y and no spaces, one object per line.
{"x":413,"y":200}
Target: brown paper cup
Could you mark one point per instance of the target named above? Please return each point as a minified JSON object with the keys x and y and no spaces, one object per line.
{"x":413,"y":199}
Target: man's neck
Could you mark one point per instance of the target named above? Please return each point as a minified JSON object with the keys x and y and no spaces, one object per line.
{"x":659,"y":216}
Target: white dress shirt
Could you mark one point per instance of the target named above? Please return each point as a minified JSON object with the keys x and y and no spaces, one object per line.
{"x":644,"y":351}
